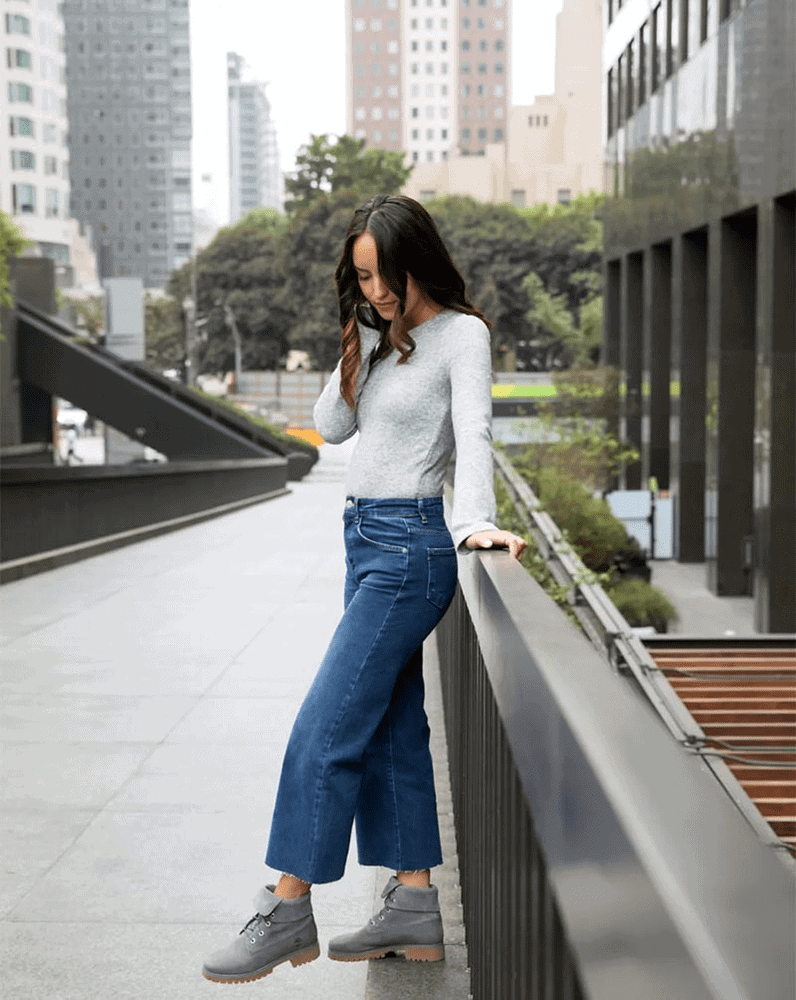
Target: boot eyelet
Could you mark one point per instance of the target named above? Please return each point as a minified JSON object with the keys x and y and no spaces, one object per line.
{"x":261,"y":933}
{"x":252,"y":941}
{"x":267,"y":924}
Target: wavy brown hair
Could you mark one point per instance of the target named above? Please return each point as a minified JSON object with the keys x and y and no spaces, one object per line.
{"x":407,"y":242}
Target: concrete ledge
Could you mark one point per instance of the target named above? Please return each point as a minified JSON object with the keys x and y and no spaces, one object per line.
{"x":46,"y":508}
{"x":18,"y":569}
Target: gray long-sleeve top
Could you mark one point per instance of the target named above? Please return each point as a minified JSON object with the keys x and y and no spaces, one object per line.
{"x":411,"y":417}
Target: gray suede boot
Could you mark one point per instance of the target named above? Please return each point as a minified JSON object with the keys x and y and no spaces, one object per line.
{"x":410,"y":922}
{"x":281,"y":930}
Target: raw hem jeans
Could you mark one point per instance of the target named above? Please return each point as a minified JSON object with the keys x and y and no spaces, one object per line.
{"x":359,"y":746}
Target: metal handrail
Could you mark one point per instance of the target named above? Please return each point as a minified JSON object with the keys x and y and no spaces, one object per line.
{"x":612,"y":635}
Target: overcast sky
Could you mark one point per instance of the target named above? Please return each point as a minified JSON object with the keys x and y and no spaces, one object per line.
{"x":299,"y":47}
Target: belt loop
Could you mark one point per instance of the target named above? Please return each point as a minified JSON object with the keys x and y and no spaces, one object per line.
{"x":422,"y":512}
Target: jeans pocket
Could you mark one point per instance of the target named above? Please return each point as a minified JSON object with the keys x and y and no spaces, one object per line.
{"x":384,"y":534}
{"x":442,"y":574}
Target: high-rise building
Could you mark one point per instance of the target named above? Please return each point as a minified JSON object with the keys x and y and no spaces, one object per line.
{"x":255,"y":178}
{"x":430,"y":77}
{"x":34,"y":164}
{"x":552,"y":149}
{"x":129,"y":101}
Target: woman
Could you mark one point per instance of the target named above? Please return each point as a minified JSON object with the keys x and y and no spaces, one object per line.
{"x":415,"y":381}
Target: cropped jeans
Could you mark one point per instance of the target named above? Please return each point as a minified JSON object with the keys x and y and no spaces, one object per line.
{"x":359,"y":748}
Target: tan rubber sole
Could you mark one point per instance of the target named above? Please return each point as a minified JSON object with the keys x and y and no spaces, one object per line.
{"x":306,"y":956}
{"x":415,"y":953}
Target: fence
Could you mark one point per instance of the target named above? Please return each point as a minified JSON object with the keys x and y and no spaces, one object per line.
{"x":597,"y":858}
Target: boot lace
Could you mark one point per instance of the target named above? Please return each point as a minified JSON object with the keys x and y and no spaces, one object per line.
{"x":256,"y":927}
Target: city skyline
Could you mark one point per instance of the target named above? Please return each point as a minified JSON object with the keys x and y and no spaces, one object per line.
{"x":287,"y":55}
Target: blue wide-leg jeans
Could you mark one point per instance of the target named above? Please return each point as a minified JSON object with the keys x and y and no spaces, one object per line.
{"x":359,"y":748}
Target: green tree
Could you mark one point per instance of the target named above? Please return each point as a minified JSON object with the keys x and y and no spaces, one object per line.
{"x":89,"y":315}
{"x":327,"y":165}
{"x":12,"y":243}
{"x":165,"y":332}
{"x":497,"y":246}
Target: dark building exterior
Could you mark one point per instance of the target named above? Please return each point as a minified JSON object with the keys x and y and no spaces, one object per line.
{"x":129,"y":100}
{"x":700,"y":265}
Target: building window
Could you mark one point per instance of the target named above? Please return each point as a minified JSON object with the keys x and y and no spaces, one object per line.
{"x":683,"y":36}
{"x":498,"y":67}
{"x":655,"y":45}
{"x":671,"y":36}
{"x":50,"y":165}
{"x":19,"y":59}
{"x":393,"y":135}
{"x":20,"y":92}
{"x":22,"y":159}
{"x":499,"y":136}
{"x":429,"y":134}
{"x":564,"y":196}
{"x":465,"y":68}
{"x":482,"y":67}
{"x":629,"y":81}
{"x":465,"y":134}
{"x":415,"y":156}
{"x":376,"y":114}
{"x":466,"y":45}
{"x":643,"y":41}
{"x":23,"y":199}
{"x":499,"y":45}
{"x":375,"y":24}
{"x":518,"y":198}
{"x":415,"y":112}
{"x":429,"y":156}
{"x":482,"y":134}
{"x":611,"y":102}
{"x":415,"y":134}
{"x":377,"y":135}
{"x":443,"y":134}
{"x":359,"y":114}
{"x":22,"y":126}
{"x":17,"y":24}
{"x":51,"y":203}
{"x":483,"y":46}
{"x":359,"y":24}
{"x":703,"y":22}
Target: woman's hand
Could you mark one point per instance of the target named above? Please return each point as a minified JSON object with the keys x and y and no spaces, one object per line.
{"x":497,"y":540}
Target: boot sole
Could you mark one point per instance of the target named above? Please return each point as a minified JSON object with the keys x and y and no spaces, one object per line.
{"x":302,"y":958}
{"x":413,"y":953}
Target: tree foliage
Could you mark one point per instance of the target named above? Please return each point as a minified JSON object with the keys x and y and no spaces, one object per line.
{"x":328,"y":165}
{"x":276,"y":272}
{"x":12,"y":243}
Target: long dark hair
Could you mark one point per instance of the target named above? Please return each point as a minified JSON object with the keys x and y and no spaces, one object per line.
{"x":407,"y":242}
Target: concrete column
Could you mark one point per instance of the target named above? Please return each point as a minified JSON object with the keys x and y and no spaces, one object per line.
{"x":731,"y":403}
{"x":657,"y":349}
{"x":775,"y":420}
{"x":631,"y":360}
{"x":612,"y":327}
{"x":689,"y":342}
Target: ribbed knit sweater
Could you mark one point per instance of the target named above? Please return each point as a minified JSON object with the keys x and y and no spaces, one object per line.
{"x":411,"y":417}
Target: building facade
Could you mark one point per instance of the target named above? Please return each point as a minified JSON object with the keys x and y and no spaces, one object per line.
{"x":255,"y":178}
{"x":34,"y":162}
{"x":129,"y":103}
{"x":428,"y":77}
{"x":700,"y":262}
{"x":549,"y":151}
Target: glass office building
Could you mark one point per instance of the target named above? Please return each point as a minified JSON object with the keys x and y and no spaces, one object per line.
{"x":699,"y":249}
{"x":129,"y":101}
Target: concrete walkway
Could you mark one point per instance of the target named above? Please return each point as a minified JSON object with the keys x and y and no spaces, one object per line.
{"x":701,"y":612}
{"x":147,"y":698}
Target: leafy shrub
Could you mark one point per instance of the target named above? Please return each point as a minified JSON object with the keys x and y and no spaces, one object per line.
{"x":588,"y":523}
{"x":642,"y":604}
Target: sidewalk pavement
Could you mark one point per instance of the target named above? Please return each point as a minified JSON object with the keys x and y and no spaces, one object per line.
{"x":701,"y":612}
{"x":148,"y":694}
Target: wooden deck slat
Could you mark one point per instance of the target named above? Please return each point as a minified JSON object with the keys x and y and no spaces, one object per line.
{"x":746,"y":698}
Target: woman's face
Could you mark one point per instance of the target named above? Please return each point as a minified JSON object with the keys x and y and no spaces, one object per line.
{"x":376,"y":290}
